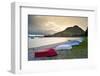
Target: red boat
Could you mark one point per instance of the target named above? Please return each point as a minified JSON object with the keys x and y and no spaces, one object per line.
{"x":50,"y":52}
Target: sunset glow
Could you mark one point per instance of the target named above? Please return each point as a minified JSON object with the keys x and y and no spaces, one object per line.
{"x":53,"y":24}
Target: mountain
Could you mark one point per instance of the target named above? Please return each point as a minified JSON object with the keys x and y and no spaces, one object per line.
{"x":74,"y":31}
{"x":86,"y":32}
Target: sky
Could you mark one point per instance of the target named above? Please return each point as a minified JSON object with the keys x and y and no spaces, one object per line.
{"x":52,"y":24}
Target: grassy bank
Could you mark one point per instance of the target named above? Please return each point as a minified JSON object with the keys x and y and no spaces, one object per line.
{"x":80,"y":51}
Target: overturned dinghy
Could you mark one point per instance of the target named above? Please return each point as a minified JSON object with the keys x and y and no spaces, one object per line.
{"x":50,"y":52}
{"x":63,"y":47}
{"x":68,"y":45}
{"x":80,"y":40}
{"x":73,"y":43}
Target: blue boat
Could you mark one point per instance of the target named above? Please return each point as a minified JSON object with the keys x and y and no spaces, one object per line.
{"x":72,"y":43}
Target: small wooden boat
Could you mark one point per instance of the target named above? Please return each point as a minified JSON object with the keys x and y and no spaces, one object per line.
{"x":63,"y":47}
{"x":73,"y":43}
{"x":50,"y":52}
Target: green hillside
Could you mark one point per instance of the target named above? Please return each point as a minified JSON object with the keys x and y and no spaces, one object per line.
{"x":74,"y":31}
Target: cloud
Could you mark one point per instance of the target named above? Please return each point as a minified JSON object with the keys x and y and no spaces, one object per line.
{"x":53,"y":24}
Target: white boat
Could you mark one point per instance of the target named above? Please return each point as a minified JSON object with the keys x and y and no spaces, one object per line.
{"x":63,"y":47}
